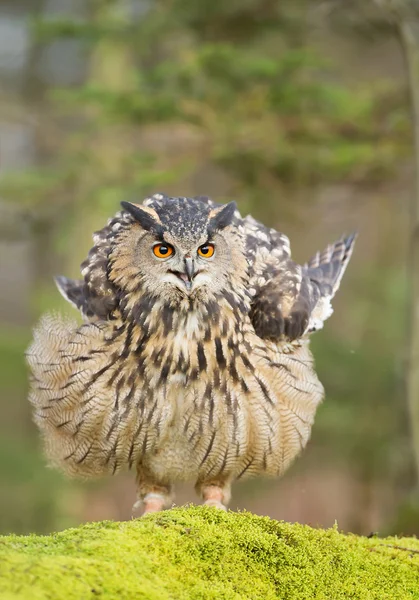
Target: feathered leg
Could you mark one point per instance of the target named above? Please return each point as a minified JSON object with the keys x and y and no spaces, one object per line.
{"x":215,"y":494}
{"x":153,"y":496}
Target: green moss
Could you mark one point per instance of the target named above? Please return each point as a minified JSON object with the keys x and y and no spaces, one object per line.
{"x":203,"y":553}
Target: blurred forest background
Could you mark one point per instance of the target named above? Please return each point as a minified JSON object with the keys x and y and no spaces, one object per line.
{"x":298,"y":110}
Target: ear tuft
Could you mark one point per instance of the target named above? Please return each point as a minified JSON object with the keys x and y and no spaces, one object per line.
{"x":144,"y":217}
{"x":221,"y":217}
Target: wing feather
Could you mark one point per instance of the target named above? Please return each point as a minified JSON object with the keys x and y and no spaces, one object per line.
{"x":290,"y":300}
{"x":325,"y":270}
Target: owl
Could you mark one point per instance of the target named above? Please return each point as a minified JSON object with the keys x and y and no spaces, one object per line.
{"x":193,"y":360}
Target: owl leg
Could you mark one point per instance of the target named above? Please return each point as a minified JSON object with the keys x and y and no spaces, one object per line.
{"x":215,"y":494}
{"x":153,"y":495}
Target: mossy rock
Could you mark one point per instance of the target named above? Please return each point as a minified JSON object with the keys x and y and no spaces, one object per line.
{"x":203,"y":553}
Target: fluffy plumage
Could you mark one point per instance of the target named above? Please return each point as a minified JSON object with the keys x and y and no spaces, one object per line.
{"x":186,"y":367}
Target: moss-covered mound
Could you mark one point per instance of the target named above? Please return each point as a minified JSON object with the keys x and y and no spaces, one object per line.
{"x":203,"y":553}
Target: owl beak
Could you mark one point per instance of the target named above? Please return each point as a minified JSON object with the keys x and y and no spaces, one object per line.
{"x":188,"y":274}
{"x":189,"y":268}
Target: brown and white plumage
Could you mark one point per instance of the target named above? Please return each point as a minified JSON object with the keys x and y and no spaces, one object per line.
{"x":186,"y":367}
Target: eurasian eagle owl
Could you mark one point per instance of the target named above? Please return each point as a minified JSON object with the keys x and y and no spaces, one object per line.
{"x":193,"y":360}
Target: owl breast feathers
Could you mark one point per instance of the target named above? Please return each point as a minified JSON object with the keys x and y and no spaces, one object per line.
{"x":193,"y":359}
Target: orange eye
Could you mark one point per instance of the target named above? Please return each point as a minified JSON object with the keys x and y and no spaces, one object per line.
{"x":206,"y":251}
{"x":163,"y":250}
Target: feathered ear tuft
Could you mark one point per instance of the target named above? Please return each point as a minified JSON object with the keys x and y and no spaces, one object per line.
{"x":144,"y":216}
{"x":221,"y":217}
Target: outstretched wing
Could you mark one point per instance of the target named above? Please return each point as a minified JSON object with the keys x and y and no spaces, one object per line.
{"x":325,"y":271}
{"x":327,"y":268}
{"x":290,"y":300}
{"x":93,"y":304}
{"x":95,"y":296}
{"x":281,"y":298}
{"x":72,"y":290}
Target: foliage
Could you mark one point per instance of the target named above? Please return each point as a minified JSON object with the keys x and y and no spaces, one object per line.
{"x":244,"y":78}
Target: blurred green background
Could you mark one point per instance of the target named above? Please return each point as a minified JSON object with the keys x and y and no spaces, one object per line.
{"x":297,"y":110}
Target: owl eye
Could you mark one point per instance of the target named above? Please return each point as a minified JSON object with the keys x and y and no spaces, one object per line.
{"x":206,"y":251}
{"x":162,"y":250}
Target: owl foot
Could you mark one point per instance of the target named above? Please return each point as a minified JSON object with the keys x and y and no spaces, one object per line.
{"x":214,"y":496}
{"x":151,"y":503}
{"x":153,"y":495}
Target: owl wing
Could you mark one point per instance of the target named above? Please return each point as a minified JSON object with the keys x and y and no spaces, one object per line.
{"x":92,"y":304}
{"x":95,"y":296}
{"x":274,"y":282}
{"x":325,"y":271}
{"x":289,"y":300}
{"x":73,"y":291}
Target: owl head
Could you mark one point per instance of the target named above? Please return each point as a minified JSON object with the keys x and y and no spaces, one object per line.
{"x":179,"y":248}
